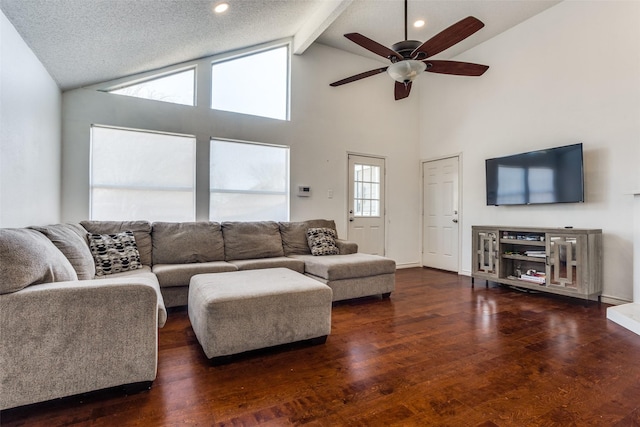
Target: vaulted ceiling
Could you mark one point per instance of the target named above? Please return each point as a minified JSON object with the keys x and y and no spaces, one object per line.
{"x":83,"y":42}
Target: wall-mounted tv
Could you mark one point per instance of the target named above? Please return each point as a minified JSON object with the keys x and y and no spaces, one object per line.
{"x":554,"y":175}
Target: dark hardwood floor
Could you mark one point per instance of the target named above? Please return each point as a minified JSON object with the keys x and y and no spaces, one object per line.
{"x":436,"y":353}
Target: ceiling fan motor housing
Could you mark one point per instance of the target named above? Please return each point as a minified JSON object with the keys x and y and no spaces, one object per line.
{"x":405,"y":48}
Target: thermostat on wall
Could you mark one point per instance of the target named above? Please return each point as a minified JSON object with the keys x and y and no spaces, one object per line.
{"x":304,"y":191}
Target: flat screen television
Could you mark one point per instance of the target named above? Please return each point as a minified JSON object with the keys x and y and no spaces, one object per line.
{"x":554,"y":175}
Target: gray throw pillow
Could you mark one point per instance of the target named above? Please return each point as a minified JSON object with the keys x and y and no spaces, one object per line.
{"x":27,"y":257}
{"x":71,"y":239}
{"x":322,"y":241}
{"x":114,"y":253}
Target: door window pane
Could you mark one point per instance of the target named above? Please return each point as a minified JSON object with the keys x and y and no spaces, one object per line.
{"x":142,"y":175}
{"x":367,"y":190}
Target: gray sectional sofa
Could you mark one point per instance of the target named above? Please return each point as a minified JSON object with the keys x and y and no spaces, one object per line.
{"x":66,"y":330}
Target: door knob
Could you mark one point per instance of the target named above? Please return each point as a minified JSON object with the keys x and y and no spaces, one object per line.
{"x":350,"y":219}
{"x":455,"y":220}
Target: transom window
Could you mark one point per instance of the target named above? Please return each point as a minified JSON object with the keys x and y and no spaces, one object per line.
{"x":178,"y":88}
{"x":137,"y":174}
{"x":248,"y":181}
{"x":256,"y":84}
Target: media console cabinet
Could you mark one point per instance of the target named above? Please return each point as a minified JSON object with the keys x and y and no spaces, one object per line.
{"x":565,"y":261}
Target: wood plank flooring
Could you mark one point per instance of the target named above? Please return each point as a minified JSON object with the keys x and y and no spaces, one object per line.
{"x":437,"y":353}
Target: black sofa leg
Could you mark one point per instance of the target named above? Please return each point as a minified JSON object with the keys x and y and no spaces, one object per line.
{"x":135,"y":388}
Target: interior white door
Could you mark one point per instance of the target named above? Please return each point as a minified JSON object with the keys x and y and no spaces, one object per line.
{"x":366,"y":203}
{"x":440,"y":214}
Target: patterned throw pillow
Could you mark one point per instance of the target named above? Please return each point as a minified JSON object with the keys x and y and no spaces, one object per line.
{"x":114,"y":253}
{"x":322,"y":241}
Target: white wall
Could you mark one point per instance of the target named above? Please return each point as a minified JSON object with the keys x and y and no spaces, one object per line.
{"x":570,"y":74}
{"x":30,"y":115}
{"x":326,"y":123}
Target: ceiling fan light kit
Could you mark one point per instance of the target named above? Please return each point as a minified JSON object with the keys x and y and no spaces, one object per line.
{"x":407,"y":70}
{"x":408,"y":57}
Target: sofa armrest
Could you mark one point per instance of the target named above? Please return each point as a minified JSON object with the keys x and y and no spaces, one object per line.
{"x":346,"y":247}
{"x":64,"y":338}
{"x":141,"y":276}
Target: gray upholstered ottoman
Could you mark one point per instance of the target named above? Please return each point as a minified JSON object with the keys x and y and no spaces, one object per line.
{"x":239,"y":311}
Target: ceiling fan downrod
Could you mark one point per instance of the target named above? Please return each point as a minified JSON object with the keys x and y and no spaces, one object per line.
{"x":406,"y":25}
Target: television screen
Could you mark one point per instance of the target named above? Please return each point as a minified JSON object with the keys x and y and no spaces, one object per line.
{"x":554,"y":175}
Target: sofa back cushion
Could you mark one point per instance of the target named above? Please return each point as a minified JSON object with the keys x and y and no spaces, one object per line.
{"x":71,"y":240}
{"x":28,"y":258}
{"x":294,"y":235}
{"x":141,"y":231}
{"x":187,"y":242}
{"x":250,"y":240}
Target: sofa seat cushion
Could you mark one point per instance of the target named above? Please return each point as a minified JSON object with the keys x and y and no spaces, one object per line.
{"x":255,"y":264}
{"x":336,"y":267}
{"x":142,"y":271}
{"x":71,"y":239}
{"x":187,"y":242}
{"x":250,"y":240}
{"x":180,"y":274}
{"x":27,"y":257}
{"x":294,"y":235}
{"x":141,"y":231}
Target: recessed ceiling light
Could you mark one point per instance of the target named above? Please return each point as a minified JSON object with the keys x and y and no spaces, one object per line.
{"x":419,"y":23}
{"x":221,"y":8}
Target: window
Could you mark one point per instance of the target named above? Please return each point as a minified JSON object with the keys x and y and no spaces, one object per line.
{"x":137,"y":174}
{"x":255,"y":84}
{"x":248,"y":181}
{"x":366,"y":190}
{"x":177,"y":88}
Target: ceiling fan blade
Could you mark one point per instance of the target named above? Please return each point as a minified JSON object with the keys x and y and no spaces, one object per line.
{"x":359,"y":76}
{"x":373,"y":46}
{"x":455,"y":67}
{"x":448,"y":37}
{"x":402,"y":90}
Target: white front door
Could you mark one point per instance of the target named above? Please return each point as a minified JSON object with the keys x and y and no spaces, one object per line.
{"x":366,"y":203}
{"x":440,"y":214}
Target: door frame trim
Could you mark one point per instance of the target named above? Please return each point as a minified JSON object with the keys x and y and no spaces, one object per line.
{"x":384,"y":212}
{"x":460,"y":206}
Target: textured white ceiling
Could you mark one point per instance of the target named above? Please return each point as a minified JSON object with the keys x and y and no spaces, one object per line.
{"x":83,"y":42}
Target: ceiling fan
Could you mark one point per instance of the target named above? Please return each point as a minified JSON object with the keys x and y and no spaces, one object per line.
{"x":409,"y":57}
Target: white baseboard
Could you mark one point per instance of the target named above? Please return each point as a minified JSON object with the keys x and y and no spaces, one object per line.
{"x":464,"y":273}
{"x":613,"y":300}
{"x":408,"y":265}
